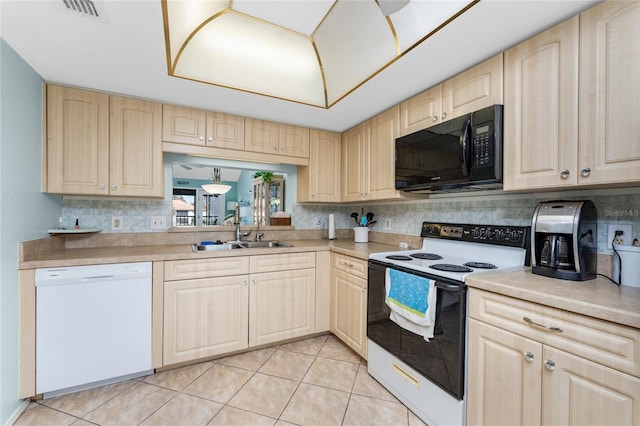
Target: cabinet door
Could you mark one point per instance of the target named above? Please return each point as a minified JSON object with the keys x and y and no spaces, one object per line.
{"x":354,"y":172}
{"x":541,"y":110}
{"x":261,"y":136}
{"x":320,"y":181}
{"x":349,"y":310}
{"x":281,"y":306}
{"x":421,"y":111}
{"x":382,"y":132}
{"x":478,"y":87}
{"x":582,"y":393}
{"x":135,"y":148}
{"x":204,"y":317}
{"x":183,"y":125}
{"x":504,"y":377}
{"x":77,"y":141}
{"x":293,"y":141}
{"x":610,"y":93}
{"x":225,"y":131}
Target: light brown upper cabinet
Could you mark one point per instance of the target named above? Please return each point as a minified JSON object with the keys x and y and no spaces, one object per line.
{"x":203,"y":128}
{"x":320,"y":181}
{"x":368,"y":158}
{"x":541,"y":110}
{"x":103,"y":145}
{"x":278,"y":139}
{"x":572,"y":101}
{"x":474,"y":89}
{"x":610,"y":93}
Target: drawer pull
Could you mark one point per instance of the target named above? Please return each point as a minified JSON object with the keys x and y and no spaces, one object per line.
{"x":408,"y":377}
{"x":528,"y":356}
{"x":535,"y":324}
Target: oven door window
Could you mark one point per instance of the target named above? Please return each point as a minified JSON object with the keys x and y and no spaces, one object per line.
{"x":440,"y":360}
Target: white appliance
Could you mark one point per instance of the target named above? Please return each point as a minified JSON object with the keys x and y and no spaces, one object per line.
{"x":429,"y":376}
{"x":93,"y":326}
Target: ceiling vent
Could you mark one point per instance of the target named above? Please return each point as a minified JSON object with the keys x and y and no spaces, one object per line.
{"x":85,"y":7}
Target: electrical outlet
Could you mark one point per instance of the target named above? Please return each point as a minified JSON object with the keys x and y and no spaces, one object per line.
{"x":621,"y":240}
{"x":387,"y":224}
{"x":158,"y":222}
{"x":317,"y":222}
{"x":116,"y":223}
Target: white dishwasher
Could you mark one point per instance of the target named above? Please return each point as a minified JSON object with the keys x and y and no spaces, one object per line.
{"x":93,"y":326}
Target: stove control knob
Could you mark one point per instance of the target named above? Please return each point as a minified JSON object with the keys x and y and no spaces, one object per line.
{"x":475,"y":233}
{"x":435,"y":230}
{"x":501,"y":235}
{"x":515,"y":236}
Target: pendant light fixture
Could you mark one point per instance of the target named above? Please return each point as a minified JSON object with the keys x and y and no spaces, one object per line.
{"x":216,"y":187}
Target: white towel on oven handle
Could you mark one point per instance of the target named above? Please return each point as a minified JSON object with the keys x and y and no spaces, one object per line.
{"x":408,"y":320}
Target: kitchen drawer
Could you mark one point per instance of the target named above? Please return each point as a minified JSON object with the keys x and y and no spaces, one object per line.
{"x":350,"y":265}
{"x":205,"y":268}
{"x":282,"y":262}
{"x":604,"y":342}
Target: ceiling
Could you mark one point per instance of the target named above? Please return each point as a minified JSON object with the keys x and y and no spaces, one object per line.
{"x":123,"y":51}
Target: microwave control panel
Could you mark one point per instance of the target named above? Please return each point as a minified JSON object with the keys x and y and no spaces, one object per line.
{"x":482,"y":146}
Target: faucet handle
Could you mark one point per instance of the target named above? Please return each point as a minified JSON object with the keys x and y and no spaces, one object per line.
{"x":259,"y":236}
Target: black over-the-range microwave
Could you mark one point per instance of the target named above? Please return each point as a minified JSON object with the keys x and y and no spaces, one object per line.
{"x":464,"y":153}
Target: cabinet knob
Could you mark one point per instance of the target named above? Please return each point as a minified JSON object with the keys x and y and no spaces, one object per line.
{"x":549,"y":365}
{"x":253,"y":282}
{"x":201,"y":138}
{"x":585,"y":172}
{"x":244,"y":283}
{"x":444,"y":115}
{"x":114,"y":187}
{"x":283,"y":149}
{"x":528,"y":356}
{"x":102,"y":186}
{"x":210,"y":139}
{"x":435,"y":118}
{"x":564,"y":174}
{"x":275,"y":148}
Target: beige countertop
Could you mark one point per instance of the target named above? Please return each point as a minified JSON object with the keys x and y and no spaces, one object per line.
{"x":150,"y":253}
{"x":598,"y":298}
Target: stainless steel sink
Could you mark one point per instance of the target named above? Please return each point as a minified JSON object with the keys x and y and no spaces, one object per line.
{"x":208,"y":247}
{"x":259,"y":244}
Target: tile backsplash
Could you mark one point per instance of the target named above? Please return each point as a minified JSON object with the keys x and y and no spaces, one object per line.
{"x":403,"y":217}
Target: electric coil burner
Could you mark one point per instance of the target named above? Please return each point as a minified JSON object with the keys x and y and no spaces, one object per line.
{"x":450,"y":268}
{"x":428,"y":374}
{"x":426,"y":256}
{"x":480,"y":265}
{"x":398,"y":257}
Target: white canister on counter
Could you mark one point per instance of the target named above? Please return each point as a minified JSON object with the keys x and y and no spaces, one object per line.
{"x":630,"y":259}
{"x":361,"y":234}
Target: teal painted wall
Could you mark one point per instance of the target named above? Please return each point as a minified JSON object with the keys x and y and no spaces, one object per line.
{"x":25,"y":212}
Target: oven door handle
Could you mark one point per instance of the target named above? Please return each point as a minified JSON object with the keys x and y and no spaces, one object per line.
{"x":449,"y":287}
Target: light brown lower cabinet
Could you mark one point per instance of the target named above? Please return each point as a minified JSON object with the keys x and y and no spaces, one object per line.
{"x":515,"y":379}
{"x":205,"y":317}
{"x":349,"y":302}
{"x":218,"y":306}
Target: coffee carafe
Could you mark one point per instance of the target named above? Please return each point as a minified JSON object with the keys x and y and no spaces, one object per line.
{"x":564,"y":240}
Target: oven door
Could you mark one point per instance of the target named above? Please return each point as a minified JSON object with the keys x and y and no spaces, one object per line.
{"x":441,"y":360}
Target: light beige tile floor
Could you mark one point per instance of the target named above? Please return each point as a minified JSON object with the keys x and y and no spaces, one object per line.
{"x":317,"y":381}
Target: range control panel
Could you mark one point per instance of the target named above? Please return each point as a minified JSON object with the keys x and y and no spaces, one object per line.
{"x":514,"y":236}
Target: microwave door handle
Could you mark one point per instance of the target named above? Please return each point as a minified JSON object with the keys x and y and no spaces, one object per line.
{"x":465,"y":137}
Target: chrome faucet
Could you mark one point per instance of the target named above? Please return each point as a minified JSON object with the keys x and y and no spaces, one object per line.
{"x":236,"y":219}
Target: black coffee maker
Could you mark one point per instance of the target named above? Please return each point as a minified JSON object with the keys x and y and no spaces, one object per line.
{"x":564,"y":240}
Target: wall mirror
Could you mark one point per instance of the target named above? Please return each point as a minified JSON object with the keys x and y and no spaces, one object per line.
{"x":192,"y":206}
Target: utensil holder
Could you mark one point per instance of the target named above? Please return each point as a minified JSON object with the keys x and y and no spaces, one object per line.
{"x":361,"y":234}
